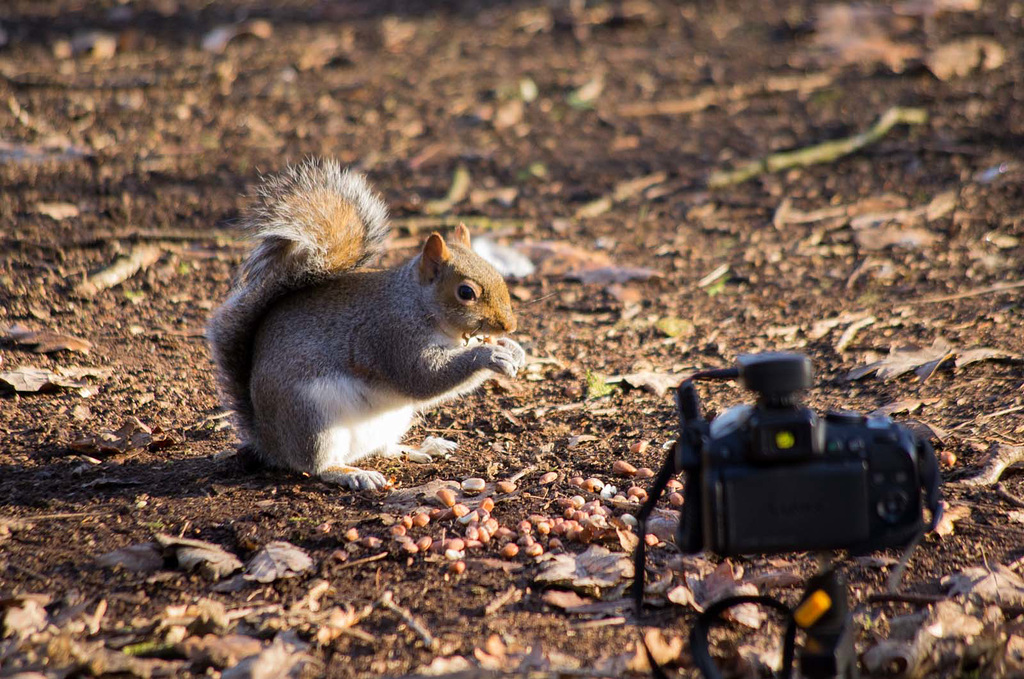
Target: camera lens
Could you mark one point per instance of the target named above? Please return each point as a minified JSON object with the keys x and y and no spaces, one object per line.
{"x":892,"y":505}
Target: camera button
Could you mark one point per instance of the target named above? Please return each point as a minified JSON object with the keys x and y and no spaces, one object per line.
{"x":857,"y":445}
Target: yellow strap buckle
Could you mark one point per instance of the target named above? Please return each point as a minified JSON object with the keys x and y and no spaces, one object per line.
{"x":811,"y":610}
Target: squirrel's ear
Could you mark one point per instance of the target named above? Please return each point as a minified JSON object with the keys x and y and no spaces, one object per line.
{"x":435,"y":253}
{"x":462,"y":235}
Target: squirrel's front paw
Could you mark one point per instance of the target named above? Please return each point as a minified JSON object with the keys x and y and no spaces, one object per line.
{"x":517,"y":351}
{"x":502,"y":359}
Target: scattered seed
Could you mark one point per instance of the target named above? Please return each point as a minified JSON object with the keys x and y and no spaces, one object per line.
{"x":543,"y":527}
{"x":525,"y":540}
{"x":505,"y":487}
{"x":629,"y":520}
{"x":578,"y":501}
{"x":503,"y":533}
{"x":534,"y":550}
{"x":483,"y":535}
{"x":619,"y":498}
{"x":446,"y":497}
{"x":623,"y":468}
{"x":675,"y":499}
{"x":554,"y":543}
{"x":352,"y":534}
{"x":410,"y":547}
{"x":453,"y":554}
{"x":608,"y":491}
{"x":371,"y":542}
{"x":644,"y":473}
{"x":491,"y":525}
{"x":576,"y":481}
{"x":398,"y":530}
{"x":545,"y":479}
{"x":457,"y":568}
{"x":456,"y":544}
{"x":425,"y":543}
{"x":438,"y":514}
{"x":460,"y":510}
{"x":468,"y":518}
{"x":525,"y":526}
{"x":487,"y":505}
{"x":510,"y":550}
{"x":593,"y":485}
{"x":651,"y":539}
{"x":636,"y":491}
{"x":674,"y":484}
{"x":421,"y":519}
{"x":474,"y":544}
{"x":639,"y":447}
{"x":472,"y":533}
{"x":947,"y":458}
{"x":474,"y":485}
{"x":407,"y":521}
{"x":580,"y":516}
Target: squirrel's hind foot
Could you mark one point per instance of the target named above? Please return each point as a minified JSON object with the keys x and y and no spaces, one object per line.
{"x":355,"y":478}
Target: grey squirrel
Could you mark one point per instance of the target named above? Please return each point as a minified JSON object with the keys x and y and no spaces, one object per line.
{"x":325,"y":360}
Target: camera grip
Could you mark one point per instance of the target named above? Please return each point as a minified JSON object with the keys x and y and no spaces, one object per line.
{"x":690,"y":534}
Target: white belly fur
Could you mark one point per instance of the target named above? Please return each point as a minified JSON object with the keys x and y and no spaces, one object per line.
{"x":360,"y":420}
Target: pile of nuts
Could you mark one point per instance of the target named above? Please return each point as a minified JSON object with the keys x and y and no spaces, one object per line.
{"x":476,"y":529}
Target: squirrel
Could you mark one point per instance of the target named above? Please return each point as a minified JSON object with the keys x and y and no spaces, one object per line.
{"x":326,"y":360}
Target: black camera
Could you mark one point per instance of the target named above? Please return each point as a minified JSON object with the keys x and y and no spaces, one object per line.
{"x":775,"y":477}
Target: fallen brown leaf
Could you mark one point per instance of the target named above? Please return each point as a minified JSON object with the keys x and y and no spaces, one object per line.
{"x":206,"y":557}
{"x":277,"y":560}
{"x":900,"y":361}
{"x":590,"y":571}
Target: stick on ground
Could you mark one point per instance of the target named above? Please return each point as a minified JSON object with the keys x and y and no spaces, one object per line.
{"x":140,"y":257}
{"x":824,"y":152}
{"x":387,"y":600}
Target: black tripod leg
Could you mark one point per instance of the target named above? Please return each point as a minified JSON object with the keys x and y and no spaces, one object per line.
{"x":665,"y":474}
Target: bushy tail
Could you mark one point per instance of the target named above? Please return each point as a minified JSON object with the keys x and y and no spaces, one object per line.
{"x":311,"y":223}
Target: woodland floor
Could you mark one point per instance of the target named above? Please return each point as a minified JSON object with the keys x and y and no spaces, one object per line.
{"x":120,"y":129}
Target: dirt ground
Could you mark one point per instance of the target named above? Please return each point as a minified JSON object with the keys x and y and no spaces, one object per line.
{"x":128,"y":126}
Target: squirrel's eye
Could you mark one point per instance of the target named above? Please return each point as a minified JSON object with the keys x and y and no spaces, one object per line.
{"x":466,"y":293}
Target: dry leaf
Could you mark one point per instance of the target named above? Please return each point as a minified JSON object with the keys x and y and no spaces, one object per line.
{"x":23,"y":615}
{"x":987,"y":586}
{"x":959,"y":58}
{"x":654,"y":382}
{"x":726,"y":581}
{"x":144,"y":557}
{"x":923,"y":362}
{"x":966,"y":358}
{"x":612,"y":275}
{"x":277,"y":661}
{"x":133,"y":435}
{"x":211,"y":560}
{"x":278,"y":559}
{"x":587,"y":572}
{"x":220,"y":652}
{"x":564,"y":599}
{"x":903,"y":405}
{"x":893,"y":235}
{"x":664,"y":651}
{"x":950,"y":516}
{"x":28,"y":380}
{"x":862,"y":34}
{"x":57,"y":211}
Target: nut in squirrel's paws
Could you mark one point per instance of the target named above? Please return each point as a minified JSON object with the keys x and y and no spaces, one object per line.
{"x":354,"y":478}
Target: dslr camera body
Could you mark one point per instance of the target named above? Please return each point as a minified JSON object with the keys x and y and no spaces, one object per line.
{"x":776,"y":477}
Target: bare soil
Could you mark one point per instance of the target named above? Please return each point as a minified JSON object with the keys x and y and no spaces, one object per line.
{"x":158,"y":143}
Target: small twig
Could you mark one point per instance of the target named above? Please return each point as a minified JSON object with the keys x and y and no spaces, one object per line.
{"x":824,"y":152}
{"x":141,"y":257}
{"x":521,"y":473}
{"x":456,"y":193}
{"x":360,"y":562}
{"x":991,"y":289}
{"x":510,"y":595}
{"x":1000,"y":457}
{"x":713,"y":96}
{"x":387,"y":600}
{"x":921,"y":599}
{"x":622,"y":191}
{"x":851,"y":332}
{"x":1008,"y":496}
{"x":223,"y":235}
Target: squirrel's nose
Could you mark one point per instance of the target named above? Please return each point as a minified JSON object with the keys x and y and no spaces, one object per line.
{"x":509,"y":324}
